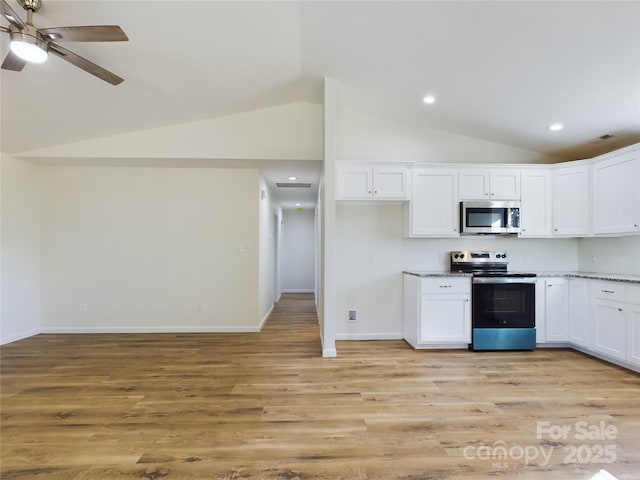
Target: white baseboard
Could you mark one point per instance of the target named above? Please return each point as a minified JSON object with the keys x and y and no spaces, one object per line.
{"x":369,"y":336}
{"x":20,"y":336}
{"x":298,"y":290}
{"x":266,"y":317}
{"x":329,"y":353}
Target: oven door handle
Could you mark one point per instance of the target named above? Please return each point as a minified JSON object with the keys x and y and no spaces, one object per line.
{"x":495,"y":280}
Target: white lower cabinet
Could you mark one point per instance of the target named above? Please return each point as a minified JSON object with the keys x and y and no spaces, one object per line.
{"x":609,"y":319}
{"x":556,"y":310}
{"x":579,"y":312}
{"x":437,"y":311}
{"x":633,"y":325}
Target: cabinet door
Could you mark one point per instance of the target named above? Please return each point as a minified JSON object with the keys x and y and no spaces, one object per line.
{"x":390,"y":183}
{"x":505,"y":185}
{"x":616,"y":194}
{"x":579,"y":312}
{"x":433,"y":209}
{"x":474,"y":185}
{"x":633,"y":334}
{"x":354,"y":183}
{"x":571,"y":201}
{"x":535,"y":213}
{"x":445,"y":318}
{"x":556,"y":310}
{"x":609,"y":328}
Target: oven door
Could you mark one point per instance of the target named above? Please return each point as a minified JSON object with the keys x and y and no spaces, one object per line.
{"x":503,"y":302}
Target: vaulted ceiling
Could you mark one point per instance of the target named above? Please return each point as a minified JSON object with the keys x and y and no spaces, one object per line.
{"x":501,"y":71}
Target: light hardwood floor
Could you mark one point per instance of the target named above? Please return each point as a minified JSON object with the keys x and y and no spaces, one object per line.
{"x":267,"y":406}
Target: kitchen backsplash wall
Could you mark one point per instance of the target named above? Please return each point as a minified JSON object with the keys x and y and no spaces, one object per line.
{"x":371,"y":254}
{"x":610,"y":255}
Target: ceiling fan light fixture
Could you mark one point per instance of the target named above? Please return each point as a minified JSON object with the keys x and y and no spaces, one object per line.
{"x":29,"y":48}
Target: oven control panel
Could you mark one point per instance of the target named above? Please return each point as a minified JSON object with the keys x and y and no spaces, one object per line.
{"x":470,"y":257}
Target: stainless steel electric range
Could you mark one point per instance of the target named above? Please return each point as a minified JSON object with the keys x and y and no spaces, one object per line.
{"x":503,"y":312}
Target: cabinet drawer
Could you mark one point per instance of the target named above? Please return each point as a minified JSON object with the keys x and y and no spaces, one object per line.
{"x":633,"y":294}
{"x":609,"y":291}
{"x":446,"y":285}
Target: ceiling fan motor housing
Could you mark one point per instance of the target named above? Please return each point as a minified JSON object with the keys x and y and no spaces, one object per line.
{"x":33,"y":5}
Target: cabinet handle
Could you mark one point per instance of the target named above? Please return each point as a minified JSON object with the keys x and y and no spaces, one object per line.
{"x":375,"y":191}
{"x":607,"y":291}
{"x":620,"y":310}
{"x":635,"y":225}
{"x":445,"y":286}
{"x":555,"y":229}
{"x":369,"y":191}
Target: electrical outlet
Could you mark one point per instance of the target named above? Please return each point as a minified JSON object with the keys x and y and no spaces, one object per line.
{"x":352,"y":315}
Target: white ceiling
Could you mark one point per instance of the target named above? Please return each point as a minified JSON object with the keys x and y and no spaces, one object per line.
{"x":501,"y":71}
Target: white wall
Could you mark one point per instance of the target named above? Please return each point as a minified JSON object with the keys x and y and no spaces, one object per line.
{"x":150,"y":249}
{"x":20,"y":245}
{"x":610,"y":255}
{"x":372,"y":253}
{"x":368,"y":138}
{"x":286,"y":132}
{"x":298,"y":262}
{"x":268,"y":244}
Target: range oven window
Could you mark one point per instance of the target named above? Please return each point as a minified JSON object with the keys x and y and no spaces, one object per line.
{"x":504,"y":305}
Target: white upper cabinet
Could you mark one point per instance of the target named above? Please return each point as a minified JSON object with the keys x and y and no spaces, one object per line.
{"x":364,"y":182}
{"x":616,"y":194}
{"x":571,"y":200}
{"x":494,"y":184}
{"x":535,"y":213}
{"x":433,"y":209}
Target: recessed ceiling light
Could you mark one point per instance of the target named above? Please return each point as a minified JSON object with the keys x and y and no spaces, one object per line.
{"x":555,"y":127}
{"x":429,"y":99}
{"x":298,"y":204}
{"x":293,"y":178}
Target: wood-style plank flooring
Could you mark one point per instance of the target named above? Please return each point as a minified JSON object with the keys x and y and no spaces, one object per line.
{"x":267,"y":406}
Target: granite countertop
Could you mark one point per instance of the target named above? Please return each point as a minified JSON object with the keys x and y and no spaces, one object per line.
{"x":590,"y":275}
{"x":427,"y":273}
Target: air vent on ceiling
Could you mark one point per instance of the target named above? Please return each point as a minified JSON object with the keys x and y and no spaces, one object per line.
{"x":293,"y":185}
{"x":602,"y":138}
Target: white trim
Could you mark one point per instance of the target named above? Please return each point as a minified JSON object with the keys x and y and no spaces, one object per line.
{"x":151,"y":329}
{"x":266,"y":317}
{"x":298,"y":290}
{"x":329,"y":353}
{"x":20,"y":336}
{"x":369,"y":336}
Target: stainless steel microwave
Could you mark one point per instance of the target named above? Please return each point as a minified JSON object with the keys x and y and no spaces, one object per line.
{"x":489,"y":218}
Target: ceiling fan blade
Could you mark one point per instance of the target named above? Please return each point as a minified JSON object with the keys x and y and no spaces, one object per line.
{"x":11,"y":16}
{"x":94,"y":33}
{"x":13,"y":62}
{"x":85,"y":64}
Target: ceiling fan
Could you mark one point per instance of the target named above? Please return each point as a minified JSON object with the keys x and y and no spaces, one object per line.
{"x":31,"y":44}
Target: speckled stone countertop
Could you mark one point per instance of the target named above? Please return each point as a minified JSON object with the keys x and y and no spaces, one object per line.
{"x":426,"y":273}
{"x":615,"y":277}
